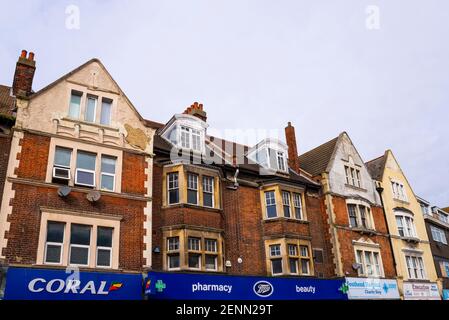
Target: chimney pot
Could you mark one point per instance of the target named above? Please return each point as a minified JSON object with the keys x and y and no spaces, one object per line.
{"x":23,"y":54}
{"x":31,"y":56}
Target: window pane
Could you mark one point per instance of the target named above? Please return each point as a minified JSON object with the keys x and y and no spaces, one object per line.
{"x":293,"y":265}
{"x":211,"y":245}
{"x":85,"y":160}
{"x":194,"y":243}
{"x":194,"y":261}
{"x":85,"y":177}
{"x":90,"y":109}
{"x":173,"y":196}
{"x":304,"y":266}
{"x":192,"y":197}
{"x":108,"y":164}
{"x":276,"y":266}
{"x":304,"y":251}
{"x":173,"y":243}
{"x":104,"y":257}
{"x":53,"y":254}
{"x":173,"y":261}
{"x":107,"y":182}
{"x":55,"y":231}
{"x":292,"y":250}
{"x":105,"y":112}
{"x":62,"y":156}
{"x":352,"y":215}
{"x":211,"y":262}
{"x":79,"y":255}
{"x":207,"y":198}
{"x":104,"y":236}
{"x":74,"y":108}
{"x":80,"y":234}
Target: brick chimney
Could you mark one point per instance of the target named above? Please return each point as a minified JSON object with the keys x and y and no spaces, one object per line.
{"x":196,"y":109}
{"x":24,"y":74}
{"x":290,"y":136}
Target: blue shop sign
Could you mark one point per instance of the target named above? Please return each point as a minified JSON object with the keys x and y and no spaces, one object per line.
{"x":181,"y":286}
{"x":46,"y":284}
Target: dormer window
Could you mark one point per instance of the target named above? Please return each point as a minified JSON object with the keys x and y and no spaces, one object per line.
{"x":186,"y":132}
{"x":270,"y":154}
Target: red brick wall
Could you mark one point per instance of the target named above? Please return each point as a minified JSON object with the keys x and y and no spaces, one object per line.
{"x":133,"y":173}
{"x":345,"y":238}
{"x":321,"y":237}
{"x":33,"y":156}
{"x":5,"y":145}
{"x":244,"y":230}
{"x":23,"y":236}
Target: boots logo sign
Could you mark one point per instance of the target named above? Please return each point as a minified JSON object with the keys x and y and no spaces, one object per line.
{"x":263,"y":289}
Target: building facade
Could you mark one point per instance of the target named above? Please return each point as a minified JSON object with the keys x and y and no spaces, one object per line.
{"x":413,"y":258}
{"x":78,"y":189}
{"x":226,"y":208}
{"x":437,"y":227}
{"x":356,"y":225}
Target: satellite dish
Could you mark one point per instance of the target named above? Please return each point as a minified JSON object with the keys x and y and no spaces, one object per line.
{"x":356,"y":266}
{"x":93,"y":196}
{"x":64,"y":191}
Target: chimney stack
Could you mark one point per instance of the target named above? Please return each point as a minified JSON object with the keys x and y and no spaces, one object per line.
{"x":290,"y":136}
{"x":24,"y":74}
{"x":196,"y":109}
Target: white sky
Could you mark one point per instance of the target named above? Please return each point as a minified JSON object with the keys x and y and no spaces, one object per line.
{"x":258,"y":64}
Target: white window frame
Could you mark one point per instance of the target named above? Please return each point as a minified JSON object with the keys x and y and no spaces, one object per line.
{"x":363,"y":272}
{"x":286,"y":203}
{"x":353,"y":176}
{"x":110,"y":101}
{"x":305,"y":257}
{"x":85,"y":170}
{"x":104,"y":248}
{"x":215,"y":241}
{"x":215,"y":262}
{"x":276,"y":257}
{"x":198,"y":239}
{"x":192,"y":188}
{"x":173,"y":252}
{"x":271,"y":204}
{"x":297,"y":204}
{"x":80,"y":246}
{"x":174,"y":188}
{"x":74,"y":93}
{"x":438,"y":233}
{"x":178,"y":254}
{"x":398,"y":190}
{"x":212,"y":180}
{"x":60,"y":244}
{"x":280,"y":161}
{"x":404,"y":217}
{"x":358,"y":215}
{"x":420,"y":267}
{"x":108,"y":174}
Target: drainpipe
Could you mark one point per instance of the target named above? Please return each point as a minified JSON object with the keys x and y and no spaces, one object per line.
{"x":379,"y":189}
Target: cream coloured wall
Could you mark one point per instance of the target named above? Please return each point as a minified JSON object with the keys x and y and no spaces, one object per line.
{"x":393,"y":171}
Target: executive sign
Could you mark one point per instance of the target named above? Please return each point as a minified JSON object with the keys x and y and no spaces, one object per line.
{"x":163,"y":285}
{"x":371,"y":288}
{"x":43,"y":284}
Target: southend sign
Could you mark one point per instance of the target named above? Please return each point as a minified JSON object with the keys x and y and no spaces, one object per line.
{"x":182,"y":286}
{"x":45,"y":284}
{"x":371,"y":288}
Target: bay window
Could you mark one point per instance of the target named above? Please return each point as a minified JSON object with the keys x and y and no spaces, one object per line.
{"x":211,"y":254}
{"x":305,"y":260}
{"x":289,"y":257}
{"x":293,"y":258}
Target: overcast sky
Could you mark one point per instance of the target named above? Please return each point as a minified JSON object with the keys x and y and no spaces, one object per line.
{"x":258,"y":64}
